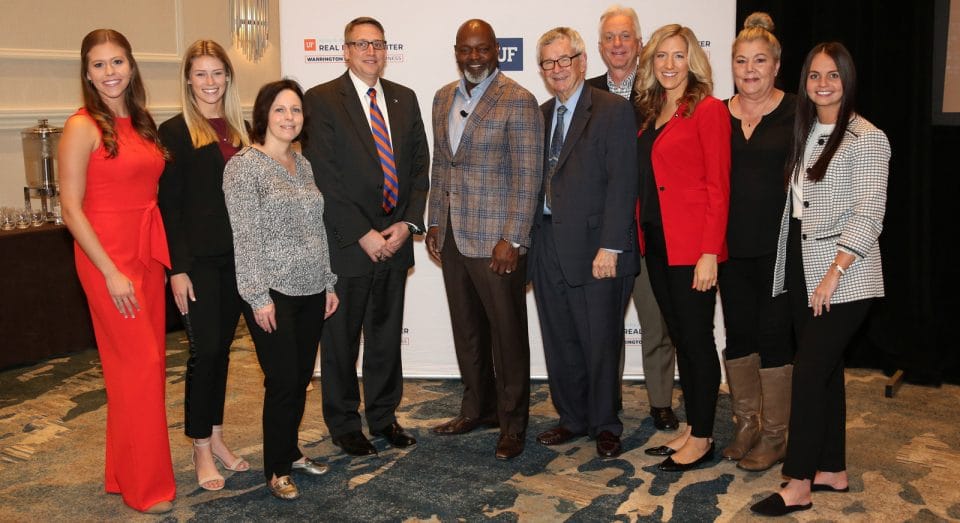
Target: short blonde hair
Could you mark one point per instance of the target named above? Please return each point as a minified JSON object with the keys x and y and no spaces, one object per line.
{"x":758,"y":26}
{"x":650,"y":94}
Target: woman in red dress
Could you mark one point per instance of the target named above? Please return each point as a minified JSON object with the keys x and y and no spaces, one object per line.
{"x":110,"y":162}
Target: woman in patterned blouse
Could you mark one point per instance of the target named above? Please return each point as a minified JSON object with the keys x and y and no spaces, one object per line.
{"x":283,"y":272}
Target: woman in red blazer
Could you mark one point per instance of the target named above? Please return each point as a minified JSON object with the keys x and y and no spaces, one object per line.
{"x":684,"y":149}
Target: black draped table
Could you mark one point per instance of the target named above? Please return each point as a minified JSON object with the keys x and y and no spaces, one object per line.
{"x":43,"y":311}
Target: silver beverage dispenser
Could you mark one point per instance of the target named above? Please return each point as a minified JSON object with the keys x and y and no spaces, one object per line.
{"x":39,"y":162}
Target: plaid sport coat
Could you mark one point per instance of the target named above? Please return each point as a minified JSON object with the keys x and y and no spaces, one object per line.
{"x":490,"y":187}
{"x":843,"y":211}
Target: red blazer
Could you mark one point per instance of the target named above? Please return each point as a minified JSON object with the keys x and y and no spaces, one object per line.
{"x":691,"y":166}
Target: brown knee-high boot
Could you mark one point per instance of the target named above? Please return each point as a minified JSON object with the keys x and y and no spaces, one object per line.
{"x":775,"y":414}
{"x":743,"y":378}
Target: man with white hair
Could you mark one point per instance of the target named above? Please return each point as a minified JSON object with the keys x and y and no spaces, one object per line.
{"x":620,"y":44}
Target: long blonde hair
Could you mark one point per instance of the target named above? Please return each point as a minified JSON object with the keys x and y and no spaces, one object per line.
{"x":651,"y":96}
{"x":201,"y":132}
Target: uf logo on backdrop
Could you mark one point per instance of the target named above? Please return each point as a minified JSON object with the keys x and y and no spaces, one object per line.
{"x":511,"y":54}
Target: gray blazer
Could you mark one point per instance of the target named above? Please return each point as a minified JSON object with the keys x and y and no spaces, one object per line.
{"x":843,"y":211}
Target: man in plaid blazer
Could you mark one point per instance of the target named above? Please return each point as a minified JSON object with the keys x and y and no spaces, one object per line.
{"x":487,"y":169}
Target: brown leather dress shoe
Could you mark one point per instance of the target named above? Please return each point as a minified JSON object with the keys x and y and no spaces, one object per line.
{"x":557,"y":435}
{"x":396,"y":436}
{"x":510,"y":446}
{"x":462,"y":425}
{"x":608,"y":445}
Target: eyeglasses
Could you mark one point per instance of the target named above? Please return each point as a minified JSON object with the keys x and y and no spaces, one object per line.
{"x":362,"y":45}
{"x":563,"y":61}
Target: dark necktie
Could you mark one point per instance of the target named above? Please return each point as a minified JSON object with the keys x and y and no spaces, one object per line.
{"x":391,"y":186}
{"x":556,"y":145}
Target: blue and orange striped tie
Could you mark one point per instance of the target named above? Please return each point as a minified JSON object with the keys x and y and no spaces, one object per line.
{"x":391,"y":186}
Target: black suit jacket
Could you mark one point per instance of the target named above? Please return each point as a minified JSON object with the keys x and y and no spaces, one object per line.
{"x":600,"y":82}
{"x":191,"y":198}
{"x":347,"y":169}
{"x":594,"y":188}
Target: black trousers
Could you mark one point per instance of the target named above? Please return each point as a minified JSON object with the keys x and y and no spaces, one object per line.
{"x":372,"y":304}
{"x":488,"y":313}
{"x":818,"y":412}
{"x":756,"y":322}
{"x":287,"y":356}
{"x":213,"y":320}
{"x":582,"y":331}
{"x":689,"y":316}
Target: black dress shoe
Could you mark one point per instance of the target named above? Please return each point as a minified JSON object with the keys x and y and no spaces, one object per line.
{"x":662,"y":450}
{"x":395,"y":436}
{"x":608,"y":445}
{"x":510,"y":446}
{"x":557,"y":436}
{"x":775,"y":506}
{"x":669,"y":465}
{"x":664,"y":418}
{"x":815,"y":487}
{"x":355,"y":444}
{"x":462,"y":425}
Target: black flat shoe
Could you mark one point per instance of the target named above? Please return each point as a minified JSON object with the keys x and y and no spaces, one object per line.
{"x":814,"y":487}
{"x":669,"y":465}
{"x":662,"y":450}
{"x":775,"y":506}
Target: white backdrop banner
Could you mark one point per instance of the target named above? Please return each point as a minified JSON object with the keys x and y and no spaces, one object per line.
{"x":420,"y":55}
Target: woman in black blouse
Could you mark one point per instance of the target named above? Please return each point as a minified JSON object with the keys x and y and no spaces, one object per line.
{"x":759,"y":343}
{"x":201,"y":139}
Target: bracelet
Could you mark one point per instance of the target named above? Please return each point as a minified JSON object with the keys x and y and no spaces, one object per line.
{"x":840,"y":269}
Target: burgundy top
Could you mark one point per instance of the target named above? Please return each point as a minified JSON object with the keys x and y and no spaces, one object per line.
{"x":227,"y":149}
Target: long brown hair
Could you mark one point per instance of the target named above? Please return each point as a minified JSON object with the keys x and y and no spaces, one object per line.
{"x":135,"y":97}
{"x":807,"y":112}
{"x":650,"y":94}
{"x":201,"y":132}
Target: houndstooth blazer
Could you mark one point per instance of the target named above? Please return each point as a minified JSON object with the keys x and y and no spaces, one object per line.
{"x":843,"y":211}
{"x":491,"y":186}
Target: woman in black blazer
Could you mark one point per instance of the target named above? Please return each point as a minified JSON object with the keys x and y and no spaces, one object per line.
{"x":200,"y":140}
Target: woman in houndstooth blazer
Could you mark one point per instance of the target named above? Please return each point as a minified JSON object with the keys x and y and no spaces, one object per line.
{"x":828,"y":261}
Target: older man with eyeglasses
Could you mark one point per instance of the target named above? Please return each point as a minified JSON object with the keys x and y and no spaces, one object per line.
{"x":584,"y":252}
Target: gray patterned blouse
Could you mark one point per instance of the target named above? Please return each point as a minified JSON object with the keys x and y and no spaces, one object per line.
{"x":279,"y":240}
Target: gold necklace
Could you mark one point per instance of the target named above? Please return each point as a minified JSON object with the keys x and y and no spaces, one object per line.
{"x":754,"y":120}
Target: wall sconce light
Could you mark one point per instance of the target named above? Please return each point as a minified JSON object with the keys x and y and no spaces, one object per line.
{"x":250,"y":25}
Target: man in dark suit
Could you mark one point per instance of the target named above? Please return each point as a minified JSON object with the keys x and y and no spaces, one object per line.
{"x":487,"y":170}
{"x":368,"y":148}
{"x":584,"y":254}
{"x":620,"y":44}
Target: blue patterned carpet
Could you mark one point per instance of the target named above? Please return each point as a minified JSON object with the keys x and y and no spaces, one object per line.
{"x":903,"y":456}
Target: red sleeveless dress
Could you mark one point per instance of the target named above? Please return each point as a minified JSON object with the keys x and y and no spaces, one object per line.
{"x":120,"y":203}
